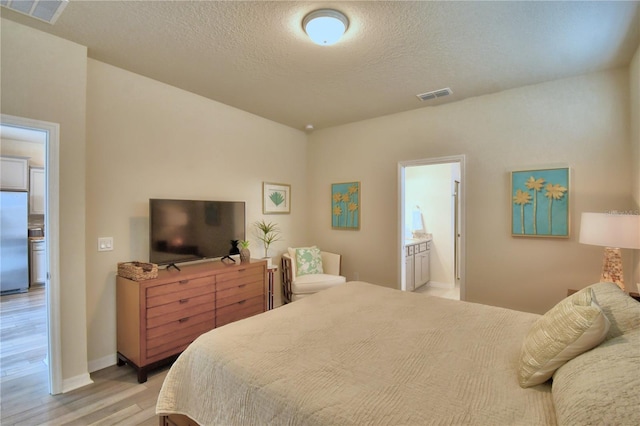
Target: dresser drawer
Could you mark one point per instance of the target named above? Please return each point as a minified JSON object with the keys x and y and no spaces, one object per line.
{"x":239,"y":310}
{"x":232,"y":295}
{"x":176,"y":326}
{"x":168,"y":344}
{"x":171,"y":292}
{"x":179,"y":309}
{"x":240,"y":276}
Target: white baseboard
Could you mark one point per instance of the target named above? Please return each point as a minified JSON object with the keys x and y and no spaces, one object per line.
{"x":441,"y":285}
{"x":104,"y":362}
{"x":76,"y":382}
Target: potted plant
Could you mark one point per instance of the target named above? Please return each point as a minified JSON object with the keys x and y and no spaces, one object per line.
{"x":268,"y":233}
{"x":245,"y":254}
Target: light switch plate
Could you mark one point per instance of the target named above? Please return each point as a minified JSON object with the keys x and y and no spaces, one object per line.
{"x":105,"y":243}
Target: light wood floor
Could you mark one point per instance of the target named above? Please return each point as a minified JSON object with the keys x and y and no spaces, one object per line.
{"x":115,"y":397}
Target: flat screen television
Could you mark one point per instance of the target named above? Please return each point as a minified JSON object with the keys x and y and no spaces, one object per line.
{"x":186,"y":230}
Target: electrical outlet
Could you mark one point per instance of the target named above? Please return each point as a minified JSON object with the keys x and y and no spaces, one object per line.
{"x":356,"y":276}
{"x":105,"y":243}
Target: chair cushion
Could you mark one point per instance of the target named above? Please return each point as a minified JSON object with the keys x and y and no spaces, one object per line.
{"x":308,"y":261}
{"x":309,"y":284}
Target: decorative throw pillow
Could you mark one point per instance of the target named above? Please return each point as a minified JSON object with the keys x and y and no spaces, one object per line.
{"x":600,"y":387}
{"x":308,"y":261}
{"x":570,"y":328}
{"x":622,"y":311}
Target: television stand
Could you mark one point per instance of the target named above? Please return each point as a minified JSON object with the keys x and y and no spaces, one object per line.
{"x":173,"y":265}
{"x":158,"y":318}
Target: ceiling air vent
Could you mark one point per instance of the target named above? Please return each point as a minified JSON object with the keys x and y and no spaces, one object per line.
{"x":434,"y":94}
{"x":44,"y":10}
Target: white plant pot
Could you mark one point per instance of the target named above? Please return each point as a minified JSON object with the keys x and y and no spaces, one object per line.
{"x":268,"y":259}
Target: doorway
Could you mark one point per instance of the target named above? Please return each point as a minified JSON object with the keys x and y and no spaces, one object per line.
{"x":431,"y":208}
{"x":50,"y":132}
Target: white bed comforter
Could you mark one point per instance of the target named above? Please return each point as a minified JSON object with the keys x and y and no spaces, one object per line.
{"x":360,"y":354}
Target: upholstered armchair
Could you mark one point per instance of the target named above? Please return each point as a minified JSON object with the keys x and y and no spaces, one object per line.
{"x":300,"y":280}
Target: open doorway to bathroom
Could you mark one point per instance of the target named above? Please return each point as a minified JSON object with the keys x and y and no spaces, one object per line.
{"x":431,"y":230}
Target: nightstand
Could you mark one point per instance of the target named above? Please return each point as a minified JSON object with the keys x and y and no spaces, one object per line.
{"x":633,"y":295}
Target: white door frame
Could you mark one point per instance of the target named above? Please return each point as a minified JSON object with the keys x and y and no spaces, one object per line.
{"x":402,"y":165}
{"x":51,"y":226}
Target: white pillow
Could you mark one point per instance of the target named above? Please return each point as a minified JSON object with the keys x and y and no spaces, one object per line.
{"x":573,"y":326}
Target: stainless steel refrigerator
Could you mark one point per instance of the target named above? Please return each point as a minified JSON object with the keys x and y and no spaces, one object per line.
{"x":14,"y":242}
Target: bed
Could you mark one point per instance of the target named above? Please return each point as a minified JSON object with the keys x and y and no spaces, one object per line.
{"x":366,"y":354}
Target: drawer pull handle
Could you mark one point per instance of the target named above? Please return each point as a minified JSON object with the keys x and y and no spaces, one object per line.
{"x":241,"y":302}
{"x":183,"y":281}
{"x":241,"y":270}
{"x":184,"y":300}
{"x":183,"y":319}
{"x":242,"y":285}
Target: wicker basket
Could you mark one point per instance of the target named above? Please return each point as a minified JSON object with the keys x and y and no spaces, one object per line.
{"x":137,"y":271}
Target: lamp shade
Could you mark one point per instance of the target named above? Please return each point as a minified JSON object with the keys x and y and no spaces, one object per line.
{"x":610,"y":230}
{"x":325,"y":26}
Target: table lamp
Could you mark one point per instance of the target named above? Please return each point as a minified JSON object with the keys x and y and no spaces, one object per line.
{"x":613,"y":231}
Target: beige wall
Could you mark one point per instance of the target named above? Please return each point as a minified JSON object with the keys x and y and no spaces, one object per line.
{"x":634,"y":78}
{"x":44,"y":78}
{"x":147,"y":140}
{"x":582,"y":122}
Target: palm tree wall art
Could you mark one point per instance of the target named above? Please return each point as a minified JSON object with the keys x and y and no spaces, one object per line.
{"x":345,"y":205}
{"x":540,"y":203}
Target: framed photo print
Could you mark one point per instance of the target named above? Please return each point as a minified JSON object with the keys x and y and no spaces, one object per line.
{"x":276,"y":198}
{"x":345,"y":205}
{"x":540,"y":203}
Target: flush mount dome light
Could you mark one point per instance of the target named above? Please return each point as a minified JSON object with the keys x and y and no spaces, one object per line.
{"x":325,"y":26}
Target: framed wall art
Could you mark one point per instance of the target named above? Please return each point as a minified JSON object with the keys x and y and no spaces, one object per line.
{"x":276,"y":198}
{"x":540,"y":203}
{"x":345,"y":205}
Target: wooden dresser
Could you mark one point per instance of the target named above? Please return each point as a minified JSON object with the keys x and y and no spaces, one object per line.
{"x":158,"y":318}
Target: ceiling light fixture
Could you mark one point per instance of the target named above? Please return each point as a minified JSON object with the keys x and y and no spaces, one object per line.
{"x":325,"y":26}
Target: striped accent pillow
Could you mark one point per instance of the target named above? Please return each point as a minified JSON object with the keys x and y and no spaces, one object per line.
{"x":573,"y":326}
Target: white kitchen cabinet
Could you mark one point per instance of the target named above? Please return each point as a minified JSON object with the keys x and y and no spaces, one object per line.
{"x":36,"y":190}
{"x":14,"y":173}
{"x":38,"y":262}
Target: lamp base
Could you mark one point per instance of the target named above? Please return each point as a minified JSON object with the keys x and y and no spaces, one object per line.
{"x":612,"y":267}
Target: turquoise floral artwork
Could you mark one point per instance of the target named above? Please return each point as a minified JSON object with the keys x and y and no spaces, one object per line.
{"x":345,"y":205}
{"x":540,"y":203}
{"x":276,"y":198}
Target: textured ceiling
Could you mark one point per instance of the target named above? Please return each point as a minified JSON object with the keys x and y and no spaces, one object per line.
{"x":254,"y":55}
